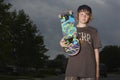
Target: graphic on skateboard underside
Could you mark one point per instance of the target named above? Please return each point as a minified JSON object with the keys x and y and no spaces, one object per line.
{"x":70,"y":33}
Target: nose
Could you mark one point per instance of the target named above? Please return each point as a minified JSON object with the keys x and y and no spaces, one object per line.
{"x":84,"y":16}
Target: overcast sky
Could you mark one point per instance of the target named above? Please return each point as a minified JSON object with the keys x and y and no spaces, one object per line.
{"x":44,"y":13}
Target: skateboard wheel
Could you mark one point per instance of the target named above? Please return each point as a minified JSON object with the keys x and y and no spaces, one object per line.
{"x":59,"y":16}
{"x":70,"y":12}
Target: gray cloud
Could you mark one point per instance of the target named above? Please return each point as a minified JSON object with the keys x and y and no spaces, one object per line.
{"x":44,"y":14}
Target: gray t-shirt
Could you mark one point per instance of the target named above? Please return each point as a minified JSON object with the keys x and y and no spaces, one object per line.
{"x":84,"y":64}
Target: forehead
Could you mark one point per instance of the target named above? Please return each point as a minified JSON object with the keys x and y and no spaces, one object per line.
{"x":84,"y":11}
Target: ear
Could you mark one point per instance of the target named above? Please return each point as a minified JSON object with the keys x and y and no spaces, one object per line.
{"x":91,"y":18}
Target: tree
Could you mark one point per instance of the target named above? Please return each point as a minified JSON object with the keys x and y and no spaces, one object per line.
{"x":5,"y":45}
{"x":21,"y":44}
{"x":110,"y":55}
{"x":59,"y":63}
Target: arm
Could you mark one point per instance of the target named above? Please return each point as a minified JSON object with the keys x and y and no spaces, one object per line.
{"x":97,"y":63}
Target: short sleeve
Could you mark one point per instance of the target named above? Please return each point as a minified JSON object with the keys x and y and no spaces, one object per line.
{"x":96,"y":40}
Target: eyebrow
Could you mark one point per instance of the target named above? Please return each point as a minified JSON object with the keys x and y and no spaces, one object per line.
{"x":86,"y":11}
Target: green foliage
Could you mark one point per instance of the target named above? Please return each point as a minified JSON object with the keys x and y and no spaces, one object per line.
{"x":5,"y":46}
{"x":110,"y":55}
{"x":58,"y":65}
{"x":20,"y":41}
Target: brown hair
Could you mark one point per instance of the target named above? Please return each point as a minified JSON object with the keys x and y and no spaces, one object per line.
{"x":85,"y":8}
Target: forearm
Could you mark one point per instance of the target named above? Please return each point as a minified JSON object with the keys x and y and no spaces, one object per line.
{"x":97,"y":62}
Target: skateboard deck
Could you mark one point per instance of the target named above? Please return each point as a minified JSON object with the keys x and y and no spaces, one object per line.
{"x":69,"y":33}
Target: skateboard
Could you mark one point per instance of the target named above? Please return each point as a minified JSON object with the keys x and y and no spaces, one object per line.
{"x":69,"y":33}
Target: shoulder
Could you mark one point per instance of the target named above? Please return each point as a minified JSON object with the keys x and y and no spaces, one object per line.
{"x":92,"y":29}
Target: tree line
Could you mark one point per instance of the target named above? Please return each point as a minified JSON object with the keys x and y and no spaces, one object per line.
{"x":110,"y":56}
{"x":22,"y":47}
{"x":21,"y":44}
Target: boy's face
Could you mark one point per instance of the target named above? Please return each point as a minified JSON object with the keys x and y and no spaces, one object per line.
{"x":83,"y":17}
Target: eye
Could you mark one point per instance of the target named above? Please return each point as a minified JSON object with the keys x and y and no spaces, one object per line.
{"x":81,"y":14}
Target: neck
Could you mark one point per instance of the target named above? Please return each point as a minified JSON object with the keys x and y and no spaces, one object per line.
{"x":81,"y":25}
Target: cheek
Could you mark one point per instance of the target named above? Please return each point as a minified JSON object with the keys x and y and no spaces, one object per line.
{"x":87,"y":18}
{"x":77,"y":16}
{"x":80,"y":17}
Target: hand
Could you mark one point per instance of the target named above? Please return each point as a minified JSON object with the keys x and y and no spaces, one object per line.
{"x":63,"y":43}
{"x":97,"y":75}
{"x":97,"y":78}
